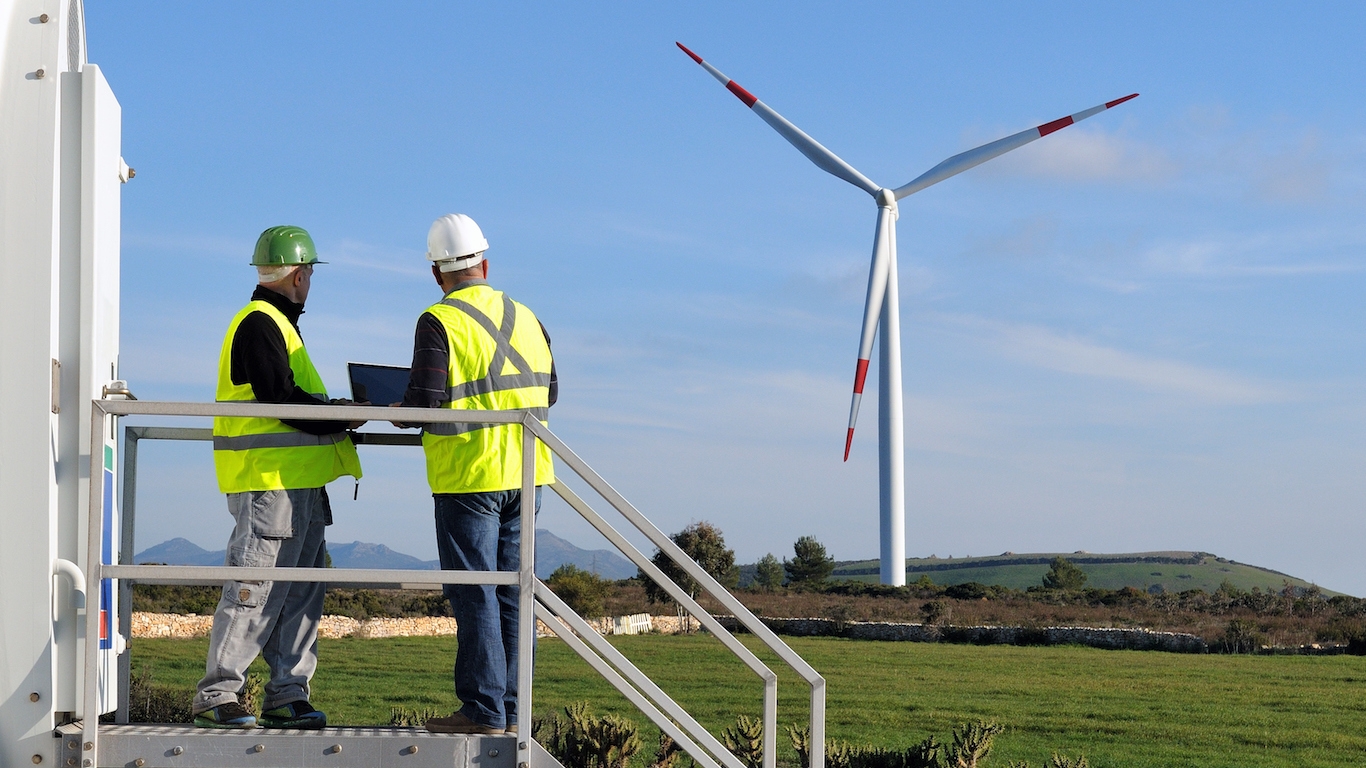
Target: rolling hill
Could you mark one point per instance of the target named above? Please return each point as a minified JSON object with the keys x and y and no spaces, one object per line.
{"x":1174,"y":571}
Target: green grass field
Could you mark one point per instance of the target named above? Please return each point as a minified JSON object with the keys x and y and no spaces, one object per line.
{"x":1119,"y":708}
{"x":1111,"y":572}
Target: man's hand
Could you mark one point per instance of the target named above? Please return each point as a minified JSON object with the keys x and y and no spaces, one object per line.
{"x":345,"y":401}
{"x":398,"y":424}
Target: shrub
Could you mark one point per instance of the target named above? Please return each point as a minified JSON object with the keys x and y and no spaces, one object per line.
{"x":580,"y":740}
{"x":703,"y":543}
{"x":584,"y":591}
{"x":1064,"y":574}
{"x":768,"y":574}
{"x":746,"y":740}
{"x":936,"y":611}
{"x":362,"y":604}
{"x":839,"y":754}
{"x":403,"y":717}
{"x":1058,"y":761}
{"x":252,"y":693}
{"x":1242,"y":636}
{"x":669,"y":754}
{"x":811,"y":566}
{"x":151,"y":702}
{"x":972,"y":590}
{"x":176,"y":598}
{"x":972,"y":743}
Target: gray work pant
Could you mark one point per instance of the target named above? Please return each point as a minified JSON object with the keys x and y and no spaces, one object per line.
{"x":278,"y":621}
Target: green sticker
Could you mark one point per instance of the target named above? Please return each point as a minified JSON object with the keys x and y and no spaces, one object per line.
{"x":109,"y":458}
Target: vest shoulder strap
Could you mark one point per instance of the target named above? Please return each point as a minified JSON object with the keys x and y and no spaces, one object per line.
{"x":495,"y":380}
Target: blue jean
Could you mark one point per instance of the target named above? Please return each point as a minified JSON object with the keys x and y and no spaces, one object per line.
{"x":277,"y":621}
{"x":483,"y":532}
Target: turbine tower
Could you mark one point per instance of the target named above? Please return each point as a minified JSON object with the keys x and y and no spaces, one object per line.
{"x":883,"y":303}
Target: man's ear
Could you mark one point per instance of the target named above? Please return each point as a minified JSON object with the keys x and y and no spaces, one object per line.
{"x":485,"y":265}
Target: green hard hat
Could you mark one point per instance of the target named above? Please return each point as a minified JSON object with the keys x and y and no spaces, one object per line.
{"x":278,"y":246}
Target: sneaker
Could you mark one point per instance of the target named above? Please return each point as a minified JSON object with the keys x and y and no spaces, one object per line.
{"x":512,"y":728}
{"x":458,"y":723}
{"x":296,"y":714}
{"x":230,"y":715}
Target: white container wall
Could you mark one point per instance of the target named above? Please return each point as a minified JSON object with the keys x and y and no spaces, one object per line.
{"x":60,"y":178}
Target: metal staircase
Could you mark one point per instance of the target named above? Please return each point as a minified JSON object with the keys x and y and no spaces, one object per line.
{"x":88,"y":744}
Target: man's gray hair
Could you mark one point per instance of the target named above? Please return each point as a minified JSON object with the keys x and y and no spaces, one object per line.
{"x":275,"y":274}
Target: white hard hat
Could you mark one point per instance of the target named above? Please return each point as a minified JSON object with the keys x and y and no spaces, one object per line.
{"x":455,"y":242}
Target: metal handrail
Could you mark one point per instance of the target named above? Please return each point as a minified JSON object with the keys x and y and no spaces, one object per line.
{"x":600,"y":647}
{"x":718,"y":593}
{"x":96,"y":571}
{"x":531,"y":588}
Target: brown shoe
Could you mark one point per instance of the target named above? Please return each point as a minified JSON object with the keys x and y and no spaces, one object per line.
{"x":512,"y":728}
{"x":458,"y":723}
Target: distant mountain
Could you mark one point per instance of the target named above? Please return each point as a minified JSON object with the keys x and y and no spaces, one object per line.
{"x":358,"y":554}
{"x":551,"y":552}
{"x":179,"y":552}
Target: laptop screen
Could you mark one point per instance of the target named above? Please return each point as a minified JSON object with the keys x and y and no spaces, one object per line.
{"x":379,"y":384}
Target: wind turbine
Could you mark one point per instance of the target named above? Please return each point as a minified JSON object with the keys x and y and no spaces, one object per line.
{"x":883,"y":303}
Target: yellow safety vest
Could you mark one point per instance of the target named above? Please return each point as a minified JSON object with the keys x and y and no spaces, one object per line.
{"x":499,"y":360}
{"x":252,"y":454}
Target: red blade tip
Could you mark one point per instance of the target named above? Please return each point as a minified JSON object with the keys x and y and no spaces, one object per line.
{"x":848,"y":441}
{"x":698,"y":59}
{"x":860,"y":373}
{"x":1117,"y":102}
{"x":741,"y":93}
{"x":1056,"y":125}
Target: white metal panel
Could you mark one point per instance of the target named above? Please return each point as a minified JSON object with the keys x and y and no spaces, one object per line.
{"x":30,"y":212}
{"x":67,"y":440}
{"x":100,"y":188}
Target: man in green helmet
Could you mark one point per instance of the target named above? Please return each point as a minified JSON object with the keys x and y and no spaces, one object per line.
{"x":274,"y":473}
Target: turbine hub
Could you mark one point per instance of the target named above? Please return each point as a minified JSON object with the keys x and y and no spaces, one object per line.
{"x":886,"y":198}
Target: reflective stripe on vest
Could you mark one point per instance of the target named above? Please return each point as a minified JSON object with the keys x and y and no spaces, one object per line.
{"x":501,"y":365}
{"x":503,"y":353}
{"x":274,"y":440}
{"x":541,"y":414}
{"x":263,"y":454}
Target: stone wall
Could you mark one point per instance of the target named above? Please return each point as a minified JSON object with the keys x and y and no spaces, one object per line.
{"x":1116,"y":639}
{"x":193,"y":625}
{"x":172,"y":625}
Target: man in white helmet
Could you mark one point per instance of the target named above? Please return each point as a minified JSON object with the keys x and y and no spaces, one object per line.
{"x":478,"y":349}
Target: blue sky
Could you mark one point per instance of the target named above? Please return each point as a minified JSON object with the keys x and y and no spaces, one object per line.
{"x":1140,"y":333}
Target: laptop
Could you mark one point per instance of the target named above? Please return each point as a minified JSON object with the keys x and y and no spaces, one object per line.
{"x":379,"y":384}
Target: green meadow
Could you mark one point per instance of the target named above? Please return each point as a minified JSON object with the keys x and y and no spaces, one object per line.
{"x":1118,"y":708}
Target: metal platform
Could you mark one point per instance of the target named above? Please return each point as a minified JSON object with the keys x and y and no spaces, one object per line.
{"x":185,"y":746}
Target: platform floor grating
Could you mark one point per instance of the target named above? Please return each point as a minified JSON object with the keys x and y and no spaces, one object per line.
{"x":185,"y":746}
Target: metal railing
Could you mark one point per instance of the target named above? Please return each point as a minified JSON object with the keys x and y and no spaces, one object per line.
{"x":535,"y":599}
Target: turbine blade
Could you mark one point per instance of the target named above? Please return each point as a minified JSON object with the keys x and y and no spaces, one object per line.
{"x":823,"y":158}
{"x":872,"y":311}
{"x":974,"y":157}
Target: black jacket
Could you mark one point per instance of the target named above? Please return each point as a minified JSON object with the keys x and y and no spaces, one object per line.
{"x":260,"y":358}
